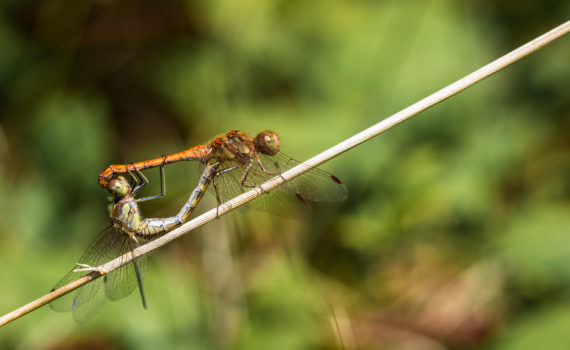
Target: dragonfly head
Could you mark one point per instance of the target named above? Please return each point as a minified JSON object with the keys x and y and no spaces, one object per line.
{"x":267,"y":142}
{"x":119,"y":187}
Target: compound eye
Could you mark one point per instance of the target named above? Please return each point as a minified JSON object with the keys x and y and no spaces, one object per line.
{"x":268,"y":142}
{"x":119,"y":187}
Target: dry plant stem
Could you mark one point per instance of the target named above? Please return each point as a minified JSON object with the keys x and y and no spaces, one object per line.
{"x":332,"y":152}
{"x":48,"y":298}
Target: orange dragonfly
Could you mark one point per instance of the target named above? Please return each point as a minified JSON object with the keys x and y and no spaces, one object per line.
{"x":246,"y":162}
{"x":127,"y":230}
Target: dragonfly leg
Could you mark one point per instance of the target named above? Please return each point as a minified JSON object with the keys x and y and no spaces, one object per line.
{"x":140,"y":180}
{"x":135,"y":180}
{"x":218,"y":202}
{"x":267,"y":171}
{"x":153,"y":227}
{"x":134,"y":238}
{"x":252,"y":184}
{"x":245,"y":183}
{"x":221,"y":172}
{"x":263,"y":168}
{"x":162,"y":184}
{"x":227,"y":170}
{"x":89,"y":268}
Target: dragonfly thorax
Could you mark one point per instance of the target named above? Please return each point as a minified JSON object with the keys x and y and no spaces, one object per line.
{"x":234,"y":146}
{"x":125,"y":215}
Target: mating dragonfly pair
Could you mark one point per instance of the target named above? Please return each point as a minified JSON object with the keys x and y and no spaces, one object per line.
{"x":233,"y":162}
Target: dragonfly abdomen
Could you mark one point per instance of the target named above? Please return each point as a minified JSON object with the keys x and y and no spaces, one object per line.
{"x":149,"y":228}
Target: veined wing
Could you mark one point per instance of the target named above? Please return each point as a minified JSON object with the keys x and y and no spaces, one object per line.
{"x":288,"y":200}
{"x":87,"y":300}
{"x":315,"y":185}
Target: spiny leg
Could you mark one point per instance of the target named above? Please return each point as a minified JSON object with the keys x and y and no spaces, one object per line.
{"x":89,"y":268}
{"x":221,"y":172}
{"x":162,"y":183}
{"x":153,"y":227}
{"x":245,"y":183}
{"x":244,"y":177}
{"x":218,"y":202}
{"x":263,"y":168}
{"x":267,"y":171}
{"x":227,"y":170}
{"x":140,"y":180}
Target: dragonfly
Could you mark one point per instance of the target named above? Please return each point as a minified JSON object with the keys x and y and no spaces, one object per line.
{"x":127,"y":230}
{"x":246,"y":162}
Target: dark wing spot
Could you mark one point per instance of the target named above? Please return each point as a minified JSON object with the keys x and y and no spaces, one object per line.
{"x":74,"y":305}
{"x":336,"y":179}
{"x":301,"y":198}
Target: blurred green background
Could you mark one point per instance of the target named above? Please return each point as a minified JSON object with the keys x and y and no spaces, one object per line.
{"x":455,"y":234}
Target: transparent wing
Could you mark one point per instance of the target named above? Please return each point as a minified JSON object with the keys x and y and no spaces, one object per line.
{"x":121,"y":282}
{"x":89,"y":297}
{"x":87,"y":300}
{"x":315,"y":185}
{"x":288,"y":200}
{"x":277,"y":202}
